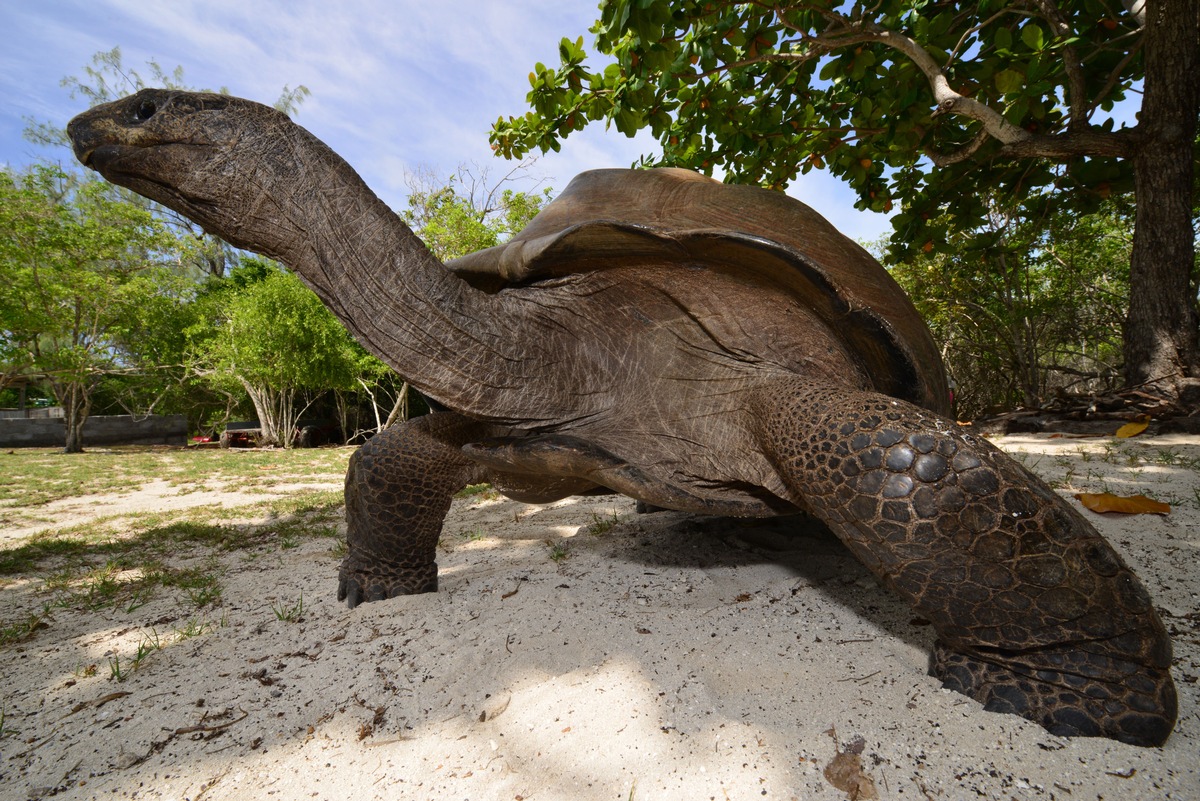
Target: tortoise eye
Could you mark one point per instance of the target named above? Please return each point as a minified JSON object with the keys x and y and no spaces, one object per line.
{"x":145,"y":110}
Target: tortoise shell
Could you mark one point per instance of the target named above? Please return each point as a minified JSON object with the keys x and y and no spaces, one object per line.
{"x":620,"y":218}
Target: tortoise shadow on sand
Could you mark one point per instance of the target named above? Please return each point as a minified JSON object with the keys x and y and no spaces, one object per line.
{"x":800,"y":544}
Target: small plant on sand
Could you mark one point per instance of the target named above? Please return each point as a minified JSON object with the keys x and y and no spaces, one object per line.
{"x":1166,"y":456}
{"x":192,"y":628}
{"x":21,"y":630}
{"x":138,"y":599}
{"x":202,"y":588}
{"x":558,"y":550}
{"x":100,"y":587}
{"x":147,"y":646}
{"x":483,"y":492}
{"x":602,"y":525}
{"x":289,"y":613}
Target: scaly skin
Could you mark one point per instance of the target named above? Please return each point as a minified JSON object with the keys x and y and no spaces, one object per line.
{"x":398,"y":490}
{"x":1035,"y":613}
{"x":399,"y":486}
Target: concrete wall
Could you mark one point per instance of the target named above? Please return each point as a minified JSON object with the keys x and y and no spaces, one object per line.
{"x":34,"y":413}
{"x":117,"y":429}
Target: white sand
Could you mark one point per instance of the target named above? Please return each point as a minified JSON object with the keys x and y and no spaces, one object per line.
{"x":666,"y":657}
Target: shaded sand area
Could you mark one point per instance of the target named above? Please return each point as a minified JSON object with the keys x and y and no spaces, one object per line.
{"x":575,"y":651}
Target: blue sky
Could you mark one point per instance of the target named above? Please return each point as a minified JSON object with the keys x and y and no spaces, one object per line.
{"x":398,"y":86}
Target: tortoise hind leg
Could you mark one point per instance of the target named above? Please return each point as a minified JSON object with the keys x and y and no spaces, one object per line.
{"x":1035,"y":613}
{"x":399,"y":486}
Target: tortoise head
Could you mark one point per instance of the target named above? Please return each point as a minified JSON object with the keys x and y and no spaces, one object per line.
{"x":221,"y":161}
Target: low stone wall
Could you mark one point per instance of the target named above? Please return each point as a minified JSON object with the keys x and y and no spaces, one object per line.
{"x":116,"y":429}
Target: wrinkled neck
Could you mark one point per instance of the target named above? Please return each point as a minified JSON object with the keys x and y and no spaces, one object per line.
{"x":446,"y":338}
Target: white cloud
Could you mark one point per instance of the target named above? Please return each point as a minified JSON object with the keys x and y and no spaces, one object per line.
{"x":397,"y":84}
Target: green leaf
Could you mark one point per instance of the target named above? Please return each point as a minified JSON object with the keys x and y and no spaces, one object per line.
{"x":1009,"y":81}
{"x":831,"y":69}
{"x":1031,"y":35}
{"x":1004,"y":40}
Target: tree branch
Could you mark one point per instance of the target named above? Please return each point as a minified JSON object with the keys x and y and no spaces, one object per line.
{"x":946,"y":99}
{"x":1077,"y":104}
{"x":1087,"y":141}
{"x":949,"y":159}
{"x":962,"y":40}
{"x":1015,"y":141}
{"x":949,"y":101}
{"x":1114,"y":76}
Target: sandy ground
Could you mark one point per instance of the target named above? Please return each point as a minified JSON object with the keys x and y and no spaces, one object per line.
{"x":154,"y":496}
{"x":661,"y":657}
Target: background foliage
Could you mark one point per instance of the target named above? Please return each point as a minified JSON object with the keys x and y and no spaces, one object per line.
{"x":1031,"y":311}
{"x":117,"y":305}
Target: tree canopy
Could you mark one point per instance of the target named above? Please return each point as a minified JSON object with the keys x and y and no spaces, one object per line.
{"x":904,"y":100}
{"x":276,"y":340}
{"x":81,"y":265}
{"x":1031,"y":311}
{"x":466,"y":212}
{"x":925,"y":108}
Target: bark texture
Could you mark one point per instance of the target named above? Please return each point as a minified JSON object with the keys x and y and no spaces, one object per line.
{"x":1161,"y":329}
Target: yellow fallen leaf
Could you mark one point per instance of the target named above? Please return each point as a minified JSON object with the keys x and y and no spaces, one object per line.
{"x":1125,"y":504}
{"x":1134,"y":428}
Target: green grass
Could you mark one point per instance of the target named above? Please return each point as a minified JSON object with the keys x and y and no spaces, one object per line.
{"x":484,"y":492}
{"x":31,"y":477}
{"x":123,"y":565}
{"x":123,"y":562}
{"x":23,"y":629}
{"x":149,"y":644}
{"x":196,"y":627}
{"x":289,"y":613}
{"x":602,"y":525}
{"x":115,"y":671}
{"x":308,"y":514}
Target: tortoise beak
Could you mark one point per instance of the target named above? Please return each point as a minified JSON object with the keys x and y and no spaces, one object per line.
{"x":83,"y":139}
{"x":96,"y":139}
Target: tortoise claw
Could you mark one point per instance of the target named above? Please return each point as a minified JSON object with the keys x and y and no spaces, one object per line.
{"x":353,"y":591}
{"x":358,"y":586}
{"x":349,"y":591}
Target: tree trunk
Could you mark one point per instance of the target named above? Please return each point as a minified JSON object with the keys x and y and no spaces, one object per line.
{"x":1161,"y":328}
{"x":76,"y":403}
{"x":399,"y":410}
{"x":266,"y":406}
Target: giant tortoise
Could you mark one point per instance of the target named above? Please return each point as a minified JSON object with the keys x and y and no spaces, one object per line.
{"x":699,"y":347}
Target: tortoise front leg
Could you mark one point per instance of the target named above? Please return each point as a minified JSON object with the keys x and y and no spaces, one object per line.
{"x":1035,"y":613}
{"x":398,"y":490}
